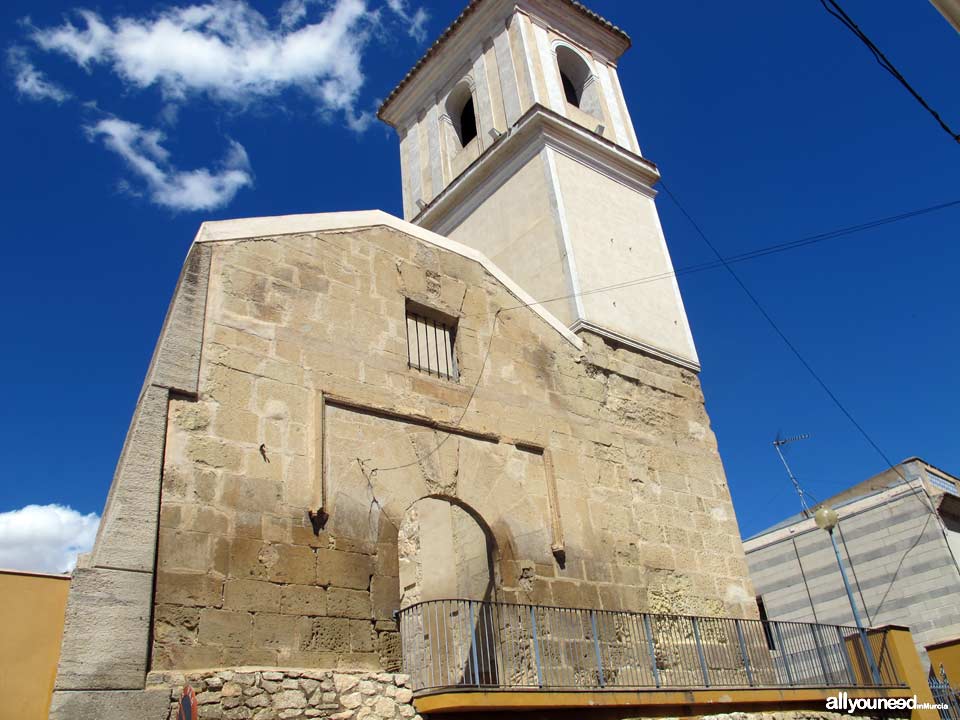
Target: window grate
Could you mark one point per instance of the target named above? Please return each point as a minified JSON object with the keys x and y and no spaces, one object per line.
{"x":430,"y":345}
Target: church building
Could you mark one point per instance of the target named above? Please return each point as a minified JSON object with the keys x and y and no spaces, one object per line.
{"x":378,"y":459}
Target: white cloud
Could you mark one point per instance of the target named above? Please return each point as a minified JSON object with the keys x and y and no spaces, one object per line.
{"x":228,"y":51}
{"x":293,"y":12}
{"x":416,"y":21}
{"x":30,"y":82}
{"x":143,"y":151}
{"x":45,"y":538}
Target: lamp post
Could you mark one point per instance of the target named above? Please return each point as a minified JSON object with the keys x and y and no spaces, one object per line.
{"x":826,"y":518}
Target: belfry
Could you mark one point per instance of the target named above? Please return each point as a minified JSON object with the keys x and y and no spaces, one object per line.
{"x":516,"y":140}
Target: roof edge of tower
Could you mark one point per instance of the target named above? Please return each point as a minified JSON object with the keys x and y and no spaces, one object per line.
{"x":452,"y":29}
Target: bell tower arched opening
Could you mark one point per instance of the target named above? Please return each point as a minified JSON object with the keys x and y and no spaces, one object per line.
{"x":579,"y":88}
{"x":462,"y":113}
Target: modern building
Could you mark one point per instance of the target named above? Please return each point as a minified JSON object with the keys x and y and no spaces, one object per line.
{"x":899,"y":538}
{"x":367,"y":444}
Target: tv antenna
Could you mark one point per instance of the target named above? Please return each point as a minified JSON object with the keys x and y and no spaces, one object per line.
{"x":779,"y":443}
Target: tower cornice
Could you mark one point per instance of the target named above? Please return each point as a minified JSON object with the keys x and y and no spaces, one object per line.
{"x":538,"y":128}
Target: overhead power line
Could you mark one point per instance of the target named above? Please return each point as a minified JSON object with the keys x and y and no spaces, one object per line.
{"x":466,"y":407}
{"x":776,"y":328}
{"x":922,"y":495}
{"x":750,"y":255}
{"x":832,"y":7}
{"x":720,"y":262}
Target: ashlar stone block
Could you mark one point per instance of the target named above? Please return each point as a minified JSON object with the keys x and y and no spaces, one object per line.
{"x":226,"y":628}
{"x":110,"y":705}
{"x":106,"y":630}
{"x":344,"y":569}
{"x":348,"y":603}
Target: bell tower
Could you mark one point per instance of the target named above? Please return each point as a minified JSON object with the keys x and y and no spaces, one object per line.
{"x":515,"y":139}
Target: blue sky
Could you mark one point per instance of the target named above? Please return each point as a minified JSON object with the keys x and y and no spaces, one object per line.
{"x":769,"y":121}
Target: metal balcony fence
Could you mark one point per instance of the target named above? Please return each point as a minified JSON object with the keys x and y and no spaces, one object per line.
{"x":461,"y":644}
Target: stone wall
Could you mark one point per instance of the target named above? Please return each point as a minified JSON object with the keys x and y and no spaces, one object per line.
{"x":252,"y":693}
{"x":592,"y":466}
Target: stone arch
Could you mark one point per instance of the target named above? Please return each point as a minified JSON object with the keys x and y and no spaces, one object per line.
{"x":461,"y":111}
{"x":579,"y":83}
{"x":447,"y":561}
{"x":446,"y":550}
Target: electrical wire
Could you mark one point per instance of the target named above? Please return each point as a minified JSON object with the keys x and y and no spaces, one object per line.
{"x":900,"y":564}
{"x":463,"y":414}
{"x":853,"y":569}
{"x":776,"y":328}
{"x":826,"y":389}
{"x":742,"y":257}
{"x":836,"y":11}
{"x":720,"y":262}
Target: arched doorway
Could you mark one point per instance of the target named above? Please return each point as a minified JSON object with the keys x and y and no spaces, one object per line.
{"x":445,"y":552}
{"x":448,"y":560}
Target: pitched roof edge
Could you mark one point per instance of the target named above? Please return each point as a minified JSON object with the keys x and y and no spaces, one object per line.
{"x":247,"y":228}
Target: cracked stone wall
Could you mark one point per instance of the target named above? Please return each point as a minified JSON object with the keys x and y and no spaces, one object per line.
{"x":243,"y":579}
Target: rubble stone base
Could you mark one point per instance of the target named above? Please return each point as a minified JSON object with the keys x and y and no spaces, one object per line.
{"x":284,"y":694}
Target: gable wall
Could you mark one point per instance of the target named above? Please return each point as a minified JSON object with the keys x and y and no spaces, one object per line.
{"x":641,"y":506}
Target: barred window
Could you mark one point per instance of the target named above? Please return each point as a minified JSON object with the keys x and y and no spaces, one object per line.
{"x":431,"y":338}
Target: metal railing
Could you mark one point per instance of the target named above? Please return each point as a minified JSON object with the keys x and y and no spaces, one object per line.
{"x":944,"y":694}
{"x":461,"y":644}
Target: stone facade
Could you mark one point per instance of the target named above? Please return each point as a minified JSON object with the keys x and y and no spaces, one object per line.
{"x":297,"y":320}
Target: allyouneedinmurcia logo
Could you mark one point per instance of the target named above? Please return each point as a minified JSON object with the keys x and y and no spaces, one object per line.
{"x":842,"y":701}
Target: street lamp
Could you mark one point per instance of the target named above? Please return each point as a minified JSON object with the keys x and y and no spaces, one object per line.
{"x":826,"y":518}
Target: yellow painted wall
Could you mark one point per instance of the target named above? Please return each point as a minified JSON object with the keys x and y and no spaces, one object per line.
{"x":31,"y":624}
{"x":946,"y":653}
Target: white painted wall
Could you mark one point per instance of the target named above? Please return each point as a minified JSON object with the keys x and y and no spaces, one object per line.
{"x":616,"y":237}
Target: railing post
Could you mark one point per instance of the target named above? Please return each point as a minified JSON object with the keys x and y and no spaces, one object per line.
{"x":743,"y":652}
{"x":846,"y":656}
{"x":703,"y":660}
{"x":433,"y":649}
{"x":473,"y":646}
{"x":652,"y":648}
{"x":783,"y":651}
{"x":815,"y":631}
{"x":596,"y":646}
{"x":536,"y":646}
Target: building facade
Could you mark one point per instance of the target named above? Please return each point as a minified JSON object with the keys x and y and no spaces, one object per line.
{"x":350,"y":415}
{"x":899,"y":537}
{"x":31,"y":628}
